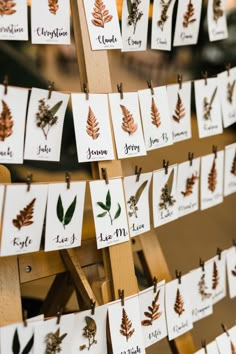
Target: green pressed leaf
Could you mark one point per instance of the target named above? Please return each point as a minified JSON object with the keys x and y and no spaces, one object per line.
{"x":140,"y":191}
{"x":108,"y":201}
{"x":60,"y":209}
{"x":118,"y":212}
{"x":16,"y":343}
{"x":55,"y":108}
{"x":70,"y":212}
{"x":102,"y":215}
{"x":28,"y":346}
{"x":103,"y":206}
{"x":130,"y":7}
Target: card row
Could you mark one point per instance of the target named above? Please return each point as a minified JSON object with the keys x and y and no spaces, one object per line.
{"x":135,"y":322}
{"x":121,"y":207}
{"x":142,"y":121}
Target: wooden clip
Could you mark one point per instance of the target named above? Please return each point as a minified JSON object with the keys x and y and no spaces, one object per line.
{"x":219,"y":252}
{"x":150,"y":85}
{"x":166,"y":166}
{"x":138,"y":173}
{"x":104,"y":175}
{"x":25,"y":316}
{"x":204,"y":345}
{"x":121,"y":293}
{"x":228,"y":67}
{"x":92,"y":306}
{"x":28,"y":182}
{"x":202,"y":264}
{"x":50,"y":89}
{"x":180,"y":80}
{"x":86,"y":90}
{"x":205,"y":76}
{"x":154,"y":282}
{"x":178,"y":276}
{"x":214,"y":150}
{"x":120,"y":90}
{"x":225,"y":329}
{"x":68,"y":179}
{"x":190,"y":157}
{"x":5,"y":83}
{"x":59,"y":314}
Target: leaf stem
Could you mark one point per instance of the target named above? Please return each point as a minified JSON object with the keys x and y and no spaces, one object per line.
{"x":111,"y":220}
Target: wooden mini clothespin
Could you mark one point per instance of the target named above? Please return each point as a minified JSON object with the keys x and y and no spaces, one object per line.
{"x":24,"y":317}
{"x":190,"y":157}
{"x":92,"y":306}
{"x":68,"y":179}
{"x":120,"y":90}
{"x":50,"y":89}
{"x":228,"y":67}
{"x":225,"y":329}
{"x":59,"y":314}
{"x":150,"y":85}
{"x":178,"y":276}
{"x":86,"y":90}
{"x":166,"y":166}
{"x":104,"y":175}
{"x":121,"y":293}
{"x":28,"y":182}
{"x":138,"y":173}
{"x":204,"y":345}
{"x":205,"y":76}
{"x":214,"y":150}
{"x":219,"y":252}
{"x":202,"y":264}
{"x":5,"y":83}
{"x":154,"y":281}
{"x":180,"y":80}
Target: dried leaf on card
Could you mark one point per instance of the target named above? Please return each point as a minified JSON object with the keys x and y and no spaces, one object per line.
{"x":7,"y":7}
{"x":189,"y":185}
{"x":128,"y":124}
{"x":233,"y":169}
{"x":53,"y":6}
{"x":230,"y":91}
{"x":217,"y":9}
{"x":212,"y":177}
{"x":203,"y":289}
{"x":126,"y":329}
{"x":92,"y":128}
{"x":6,"y":122}
{"x":234,"y":271}
{"x":100,"y":14}
{"x":179,"y":110}
{"x":134,"y":199}
{"x":65,"y":218}
{"x":46,"y":116}
{"x":89,"y":332}
{"x":155,"y":114}
{"x":25,"y":217}
{"x":207,"y":105}
{"x":107,"y":208}
{"x":232,"y":347}
{"x":153,"y":313}
{"x":164,"y":17}
{"x":16,"y":347}
{"x":179,"y":303}
{"x":215,"y":276}
{"x":167,"y":198}
{"x":54,"y":341}
{"x":189,"y":14}
{"x":134,"y":14}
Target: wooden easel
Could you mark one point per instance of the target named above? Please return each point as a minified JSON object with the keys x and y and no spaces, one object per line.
{"x":117,"y":260}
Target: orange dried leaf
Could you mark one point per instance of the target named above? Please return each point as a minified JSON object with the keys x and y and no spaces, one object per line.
{"x":6,"y":122}
{"x":25,"y":217}
{"x":100,"y":14}
{"x":126,"y":329}
{"x":53,"y":6}
{"x":92,"y":125}
{"x":179,"y":110}
{"x":189,"y":14}
{"x":189,"y":185}
{"x":7,"y":7}
{"x":128,"y":124}
{"x":179,"y":303}
{"x":155,"y":114}
{"x":212,"y":177}
{"x":215,"y":277}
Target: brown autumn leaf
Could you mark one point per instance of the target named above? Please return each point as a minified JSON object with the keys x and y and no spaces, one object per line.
{"x":25,"y":217}
{"x":153,"y":312}
{"x":6,"y":122}
{"x":92,"y":125}
{"x":164,"y":16}
{"x":217,"y":9}
{"x":128,"y":124}
{"x":155,"y":114}
{"x":212,"y":177}
{"x":179,"y":110}
{"x":101,"y":15}
{"x":232,"y":347}
{"x":188,"y":15}
{"x":53,"y":6}
{"x":189,"y":185}
{"x":179,"y":303}
{"x":126,"y":329}
{"x":7,"y":7}
{"x":215,"y":276}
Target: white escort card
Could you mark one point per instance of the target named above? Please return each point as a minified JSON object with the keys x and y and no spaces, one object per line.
{"x":103,"y":24}
{"x":127,"y":125}
{"x":217,"y":283}
{"x":231,"y":270}
{"x":211,"y":348}
{"x":224,"y":344}
{"x":44,"y":125}
{"x":109,"y":212}
{"x":155,"y":117}
{"x":64,"y":217}
{"x":187,"y":22}
{"x":134,"y":25}
{"x":23,"y":220}
{"x":216,"y":19}
{"x":14,"y":20}
{"x":179,"y":97}
{"x":13,"y":107}
{"x":230,"y":169}
{"x":161,"y":37}
{"x":137,"y":202}
{"x":92,"y":127}
{"x":50,"y":22}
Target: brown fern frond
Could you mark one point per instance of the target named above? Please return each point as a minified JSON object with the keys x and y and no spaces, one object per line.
{"x":179,"y":303}
{"x":164,"y":17}
{"x":155,"y":114}
{"x":188,"y":16}
{"x":189,"y":185}
{"x":215,"y":277}
{"x":25,"y":217}
{"x":128,"y":124}
{"x":126,"y":329}
{"x":153,"y":312}
{"x":7,"y":7}
{"x":101,"y":15}
{"x":6,"y":122}
{"x":179,"y":110}
{"x":92,"y":125}
{"x":53,"y":6}
{"x":212,"y":177}
{"x":233,"y":169}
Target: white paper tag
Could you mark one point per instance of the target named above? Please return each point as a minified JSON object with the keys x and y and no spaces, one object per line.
{"x":14,"y":20}
{"x":92,"y":127}
{"x":217,"y":283}
{"x":156,"y":118}
{"x":227,"y":94}
{"x":162,"y":24}
{"x":50,"y":22}
{"x":211,"y":349}
{"x":103,"y":24}
{"x":231,"y":270}
{"x":230,"y":169}
{"x":224,"y":344}
{"x":216,"y":18}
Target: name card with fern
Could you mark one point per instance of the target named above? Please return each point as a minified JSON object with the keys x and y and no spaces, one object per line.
{"x":227,"y":96}
{"x":217,"y":282}
{"x":225,"y":342}
{"x":92,"y":127}
{"x":44,"y":127}
{"x":23,"y":220}
{"x":127,"y":125}
{"x":216,"y":20}
{"x":64,"y":217}
{"x":103,"y":24}
{"x":156,"y":118}
{"x":14,"y":20}
{"x":230,"y":169}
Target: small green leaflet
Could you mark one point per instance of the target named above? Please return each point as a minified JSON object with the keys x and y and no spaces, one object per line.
{"x":117,"y":214}
{"x":16,"y":344}
{"x":108,"y":200}
{"x":107,"y":208}
{"x":65,"y":218}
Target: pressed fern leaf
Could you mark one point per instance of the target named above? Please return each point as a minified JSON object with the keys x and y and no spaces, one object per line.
{"x":212,"y":177}
{"x":189,"y":185}
{"x":179,"y":110}
{"x":164,"y":16}
{"x":7,"y":7}
{"x":233,"y":169}
{"x":179,"y":303}
{"x":101,"y":15}
{"x":6,"y":122}
{"x":215,"y":277}
{"x":128,"y":124}
{"x":25,"y":217}
{"x":92,"y":125}
{"x":153,"y":312}
{"x":155,"y":114}
{"x":188,"y":16}
{"x":126,"y":329}
{"x":53,"y":6}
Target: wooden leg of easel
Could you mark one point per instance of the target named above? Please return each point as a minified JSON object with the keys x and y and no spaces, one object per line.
{"x":10,"y":304}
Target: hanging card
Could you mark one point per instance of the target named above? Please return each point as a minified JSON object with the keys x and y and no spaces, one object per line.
{"x":178,"y":308}
{"x":208,"y":107}
{"x":64,"y":217}
{"x":227,"y":93}
{"x":156,"y":118}
{"x":216,"y":19}
{"x":135,"y":25}
{"x":13,"y":107}
{"x":212,"y":171}
{"x":127,"y":125}
{"x":44,"y":125}
{"x":23,"y":220}
{"x":50,"y":22}
{"x":109,"y":212}
{"x":232,"y":335}
{"x":187,"y":22}
{"x":230,"y":170}
{"x":211,"y":348}
{"x":152,"y":313}
{"x":217,"y":283}
{"x":162,"y":24}
{"x":2,"y":195}
{"x":125,"y":326}
{"x":188,"y":187}
{"x":165,"y":204}
{"x":103,"y":24}
{"x":89,"y":332}
{"x":231,"y":271}
{"x":137,"y":203}
{"x":14,"y":20}
{"x":92,"y":127}
{"x":180,"y":110}
{"x":224,"y":344}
